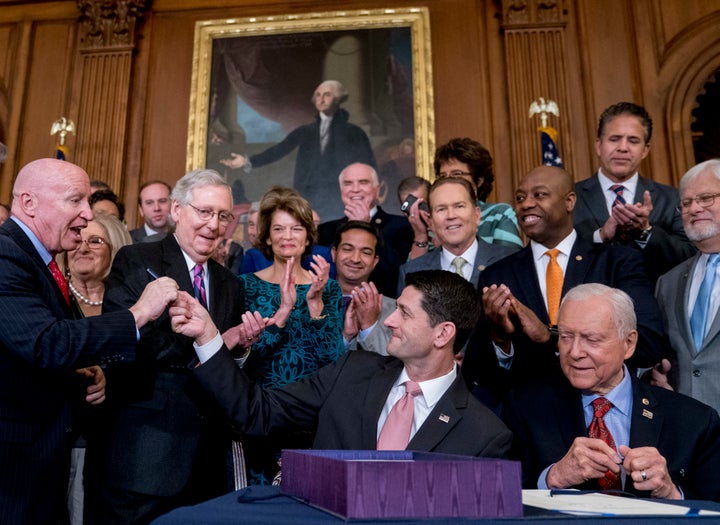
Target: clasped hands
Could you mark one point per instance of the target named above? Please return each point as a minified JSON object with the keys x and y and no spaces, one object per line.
{"x":363,"y":311}
{"x":590,"y":458}
{"x":503,"y":310}
{"x":628,"y":220}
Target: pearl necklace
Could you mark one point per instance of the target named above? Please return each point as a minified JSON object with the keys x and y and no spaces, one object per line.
{"x":82,"y":297}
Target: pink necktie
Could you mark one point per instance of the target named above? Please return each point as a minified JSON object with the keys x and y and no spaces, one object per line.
{"x":395,"y":433}
{"x":60,"y":280}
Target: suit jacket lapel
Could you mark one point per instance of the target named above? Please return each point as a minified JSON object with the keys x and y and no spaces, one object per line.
{"x":568,"y":414}
{"x":579,"y":263}
{"x":647,"y":418}
{"x":681,"y":306}
{"x":174,"y":264}
{"x":523,"y":268}
{"x":377,"y":393}
{"x":482,"y":259}
{"x":594,"y":198}
{"x":441,"y":420}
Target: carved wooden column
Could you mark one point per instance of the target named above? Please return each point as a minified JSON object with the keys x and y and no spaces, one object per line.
{"x":536,"y":66}
{"x":107,"y":41}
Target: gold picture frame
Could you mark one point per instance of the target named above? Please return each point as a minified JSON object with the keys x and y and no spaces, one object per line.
{"x":382,"y":56}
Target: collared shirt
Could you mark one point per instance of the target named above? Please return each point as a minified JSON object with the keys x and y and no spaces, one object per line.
{"x":432,"y":391}
{"x":697,"y":278}
{"x":629,"y":189}
{"x":149,"y":231}
{"x":446,"y":259}
{"x":617,"y":419}
{"x":42,"y":251}
{"x":541,"y":260}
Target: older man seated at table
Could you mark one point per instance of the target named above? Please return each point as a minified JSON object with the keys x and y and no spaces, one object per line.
{"x":603,"y":429}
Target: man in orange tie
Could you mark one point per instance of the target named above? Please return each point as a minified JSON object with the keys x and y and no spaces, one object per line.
{"x":598,"y":427}
{"x":521,"y":293}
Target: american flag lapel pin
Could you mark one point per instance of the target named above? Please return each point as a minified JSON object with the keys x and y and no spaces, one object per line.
{"x":444,"y":418}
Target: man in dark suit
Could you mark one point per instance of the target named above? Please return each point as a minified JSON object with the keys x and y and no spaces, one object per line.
{"x":359,"y":191}
{"x":455,"y":216}
{"x":694,"y":336}
{"x":41,"y":346}
{"x":154,"y":206}
{"x":349,"y":401}
{"x":325,"y":148}
{"x":161,"y":445}
{"x":617,"y":205}
{"x":600,"y":427}
{"x":515,"y":341}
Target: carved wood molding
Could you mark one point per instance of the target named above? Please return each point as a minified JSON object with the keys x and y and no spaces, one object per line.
{"x":518,"y":14}
{"x":109,"y":24}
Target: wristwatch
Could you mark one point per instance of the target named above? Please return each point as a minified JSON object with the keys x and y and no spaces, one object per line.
{"x":645,"y":234}
{"x":421,"y":244}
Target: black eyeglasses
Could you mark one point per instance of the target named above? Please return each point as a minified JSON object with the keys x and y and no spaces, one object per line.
{"x":206,"y":215}
{"x":705,"y":200}
{"x":454,"y":173}
{"x":94,"y":242}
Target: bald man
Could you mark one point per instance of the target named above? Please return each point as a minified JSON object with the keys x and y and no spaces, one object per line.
{"x":43,"y":341}
{"x":517,"y":341}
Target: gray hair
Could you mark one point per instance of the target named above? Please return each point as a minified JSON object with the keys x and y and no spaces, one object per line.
{"x":196,"y":179}
{"x":339,"y":92}
{"x":373,"y":174}
{"x":620,"y":303}
{"x":712,"y":165}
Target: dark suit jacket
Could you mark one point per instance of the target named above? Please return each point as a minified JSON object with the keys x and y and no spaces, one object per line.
{"x":157,"y":416}
{"x":668,"y":245}
{"x":316,"y":172}
{"x":397,"y":236}
{"x":615,"y":266}
{"x":138,"y":234}
{"x":485,"y":256}
{"x":344,"y":400}
{"x":546,"y":418}
{"x":40,"y":347}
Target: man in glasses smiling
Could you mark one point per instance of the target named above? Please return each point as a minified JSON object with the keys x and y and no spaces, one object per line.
{"x":689,"y":294}
{"x":161,"y":446}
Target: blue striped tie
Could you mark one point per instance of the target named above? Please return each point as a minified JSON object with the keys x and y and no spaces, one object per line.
{"x":699,"y":317}
{"x":619,"y":199}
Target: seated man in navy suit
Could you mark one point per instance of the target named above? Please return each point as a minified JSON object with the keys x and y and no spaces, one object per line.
{"x":348,"y":402}
{"x":602,"y":428}
{"x":359,"y":191}
{"x":455,"y":215}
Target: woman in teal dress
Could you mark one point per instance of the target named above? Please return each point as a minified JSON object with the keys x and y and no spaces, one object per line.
{"x":305,"y":305}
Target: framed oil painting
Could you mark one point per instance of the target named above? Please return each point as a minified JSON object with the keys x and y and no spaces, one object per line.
{"x":255,"y":113}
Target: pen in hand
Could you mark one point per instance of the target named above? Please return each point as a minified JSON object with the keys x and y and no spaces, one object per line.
{"x":152,"y":274}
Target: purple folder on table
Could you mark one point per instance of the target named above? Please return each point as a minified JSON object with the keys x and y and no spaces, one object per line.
{"x":364,"y":484}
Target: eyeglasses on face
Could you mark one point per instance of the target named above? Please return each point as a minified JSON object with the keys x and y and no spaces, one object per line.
{"x":705,"y":200}
{"x":94,"y":242}
{"x":206,"y":215}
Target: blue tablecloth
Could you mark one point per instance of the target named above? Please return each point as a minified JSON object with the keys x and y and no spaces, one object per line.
{"x":266,"y":505}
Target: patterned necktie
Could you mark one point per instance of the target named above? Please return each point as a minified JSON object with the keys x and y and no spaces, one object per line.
{"x":459,"y":263}
{"x":60,"y":280}
{"x":199,"y":285}
{"x":554,"y":283}
{"x":699,"y":318}
{"x":598,"y":430}
{"x":395,"y":434}
{"x":619,"y":199}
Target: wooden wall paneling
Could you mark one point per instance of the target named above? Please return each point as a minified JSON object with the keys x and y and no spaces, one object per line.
{"x":536,"y":67}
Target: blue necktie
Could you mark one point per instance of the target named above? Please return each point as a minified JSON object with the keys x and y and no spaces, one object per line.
{"x":619,"y":199}
{"x":199,"y":285}
{"x":699,"y":317}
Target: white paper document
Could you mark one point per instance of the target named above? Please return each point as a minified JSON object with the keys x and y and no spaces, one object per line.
{"x":581,"y":503}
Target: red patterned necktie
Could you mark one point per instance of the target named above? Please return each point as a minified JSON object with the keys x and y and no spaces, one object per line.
{"x":60,"y":280}
{"x":619,"y":199}
{"x":395,"y":434}
{"x":598,"y":430}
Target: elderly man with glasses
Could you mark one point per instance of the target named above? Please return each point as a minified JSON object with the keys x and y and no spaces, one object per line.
{"x":689,"y":294}
{"x":161,"y":445}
